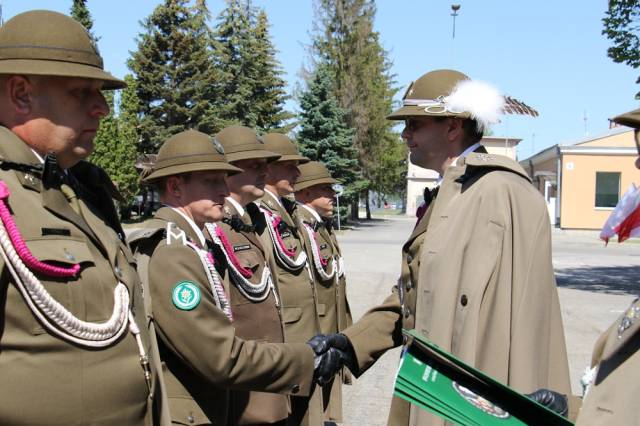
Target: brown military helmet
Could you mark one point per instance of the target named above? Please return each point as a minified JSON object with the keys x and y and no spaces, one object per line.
{"x":42,"y":42}
{"x":281,"y":144}
{"x":629,"y":119}
{"x":424,"y":96}
{"x":313,"y":173}
{"x":243,"y":143}
{"x":189,"y":151}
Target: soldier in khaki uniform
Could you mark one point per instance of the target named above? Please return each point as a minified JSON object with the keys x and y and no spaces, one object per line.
{"x":202,"y":358}
{"x":241,"y":262}
{"x":279,"y":232}
{"x":477,"y":277}
{"x":74,"y":348}
{"x":315,"y":194}
{"x":613,"y":393}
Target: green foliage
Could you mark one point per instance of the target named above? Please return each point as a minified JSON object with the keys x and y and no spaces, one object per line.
{"x":80,"y":13}
{"x":115,"y":149}
{"x":324,"y":135}
{"x":176,"y":79}
{"x":252,"y":87}
{"x":364,"y":85}
{"x":621,"y":25}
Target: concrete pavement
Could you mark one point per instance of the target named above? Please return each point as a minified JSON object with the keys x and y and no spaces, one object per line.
{"x":596,"y":283}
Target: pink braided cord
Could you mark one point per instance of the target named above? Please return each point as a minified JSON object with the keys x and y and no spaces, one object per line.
{"x":247,"y":273}
{"x":21,"y":247}
{"x":276,"y":222}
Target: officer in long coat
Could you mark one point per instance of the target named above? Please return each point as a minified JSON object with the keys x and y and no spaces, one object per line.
{"x":242,"y":263}
{"x":612,"y":395}
{"x":315,"y":195}
{"x":279,"y":232}
{"x":202,"y":357}
{"x":477,"y":277}
{"x":74,"y":348}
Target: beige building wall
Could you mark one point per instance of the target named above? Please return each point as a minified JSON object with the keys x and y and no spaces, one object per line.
{"x":625,"y":139}
{"x":578,"y":209}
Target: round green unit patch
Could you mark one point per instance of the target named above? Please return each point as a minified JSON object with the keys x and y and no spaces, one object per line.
{"x":185,"y":295}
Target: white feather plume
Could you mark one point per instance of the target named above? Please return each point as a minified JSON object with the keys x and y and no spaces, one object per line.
{"x":480,"y":99}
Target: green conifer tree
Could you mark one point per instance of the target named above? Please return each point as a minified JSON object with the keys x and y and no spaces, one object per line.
{"x":80,"y":13}
{"x":323,"y":134}
{"x":346,"y":41}
{"x":176,"y":78}
{"x":253,"y":89}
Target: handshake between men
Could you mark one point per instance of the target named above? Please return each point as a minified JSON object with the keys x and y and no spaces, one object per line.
{"x":333,"y":351}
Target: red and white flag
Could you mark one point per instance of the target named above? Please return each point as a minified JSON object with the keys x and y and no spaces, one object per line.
{"x":625,"y":218}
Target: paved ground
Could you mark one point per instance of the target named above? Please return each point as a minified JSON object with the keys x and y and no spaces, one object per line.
{"x":596,"y":283}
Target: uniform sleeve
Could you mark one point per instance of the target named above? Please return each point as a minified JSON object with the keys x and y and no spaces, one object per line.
{"x":379,"y":330}
{"x":204,"y":338}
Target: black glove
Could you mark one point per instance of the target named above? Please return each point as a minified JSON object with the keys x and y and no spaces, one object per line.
{"x":552,"y":400}
{"x":322,"y":343}
{"x":327,"y":365}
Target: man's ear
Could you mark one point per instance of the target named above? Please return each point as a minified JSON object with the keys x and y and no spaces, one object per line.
{"x":455,"y":131}
{"x":19,"y":92}
{"x":174,"y":186}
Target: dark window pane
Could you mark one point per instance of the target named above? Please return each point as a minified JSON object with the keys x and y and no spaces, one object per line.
{"x":607,"y":189}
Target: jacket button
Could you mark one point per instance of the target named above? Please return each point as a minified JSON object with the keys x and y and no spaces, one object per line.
{"x":295,"y":389}
{"x":409,"y":258}
{"x":406,"y":311}
{"x":118,"y":271}
{"x":409,"y":285}
{"x":191,"y":419}
{"x":464,"y":300}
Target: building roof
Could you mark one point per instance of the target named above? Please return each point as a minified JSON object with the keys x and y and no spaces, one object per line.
{"x":576,"y":147}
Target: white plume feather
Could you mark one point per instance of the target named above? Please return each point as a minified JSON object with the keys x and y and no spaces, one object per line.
{"x":480,"y":99}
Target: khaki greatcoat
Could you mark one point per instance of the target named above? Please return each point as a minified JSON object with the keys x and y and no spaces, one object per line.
{"x":253,"y":320}
{"x":202,"y":358}
{"x":477,"y":280}
{"x":613,"y":396}
{"x":45,"y":379}
{"x":297,"y":294}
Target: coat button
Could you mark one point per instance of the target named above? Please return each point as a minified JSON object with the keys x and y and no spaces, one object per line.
{"x":409,"y":258}
{"x":191,"y":419}
{"x":409,"y":285}
{"x":464,"y":300}
{"x":118,"y":271}
{"x":295,"y":389}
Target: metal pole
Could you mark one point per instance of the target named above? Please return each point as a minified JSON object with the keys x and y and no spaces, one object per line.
{"x":338,"y":203}
{"x":454,"y":8}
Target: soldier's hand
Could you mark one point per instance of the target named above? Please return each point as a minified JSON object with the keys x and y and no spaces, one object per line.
{"x":322,"y":343}
{"x":552,"y":400}
{"x":327,"y":366}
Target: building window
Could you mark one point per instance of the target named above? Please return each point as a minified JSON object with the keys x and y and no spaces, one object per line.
{"x":607,"y":189}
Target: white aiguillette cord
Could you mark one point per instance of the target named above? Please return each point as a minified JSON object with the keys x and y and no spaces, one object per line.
{"x":254,"y":292}
{"x":315,"y":254}
{"x":62,"y":323}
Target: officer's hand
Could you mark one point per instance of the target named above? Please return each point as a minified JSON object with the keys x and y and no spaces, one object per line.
{"x":327,"y":366}
{"x":552,"y":400}
{"x":322,"y":343}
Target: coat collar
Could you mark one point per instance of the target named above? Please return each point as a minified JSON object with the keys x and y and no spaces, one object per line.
{"x":268,"y":201}
{"x":15,"y":149}
{"x":169,"y":214}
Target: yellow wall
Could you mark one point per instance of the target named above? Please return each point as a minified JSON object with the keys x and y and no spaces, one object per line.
{"x":579,"y":186}
{"x":620,"y":140}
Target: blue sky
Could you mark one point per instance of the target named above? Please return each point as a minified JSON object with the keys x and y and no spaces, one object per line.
{"x":549,"y":54}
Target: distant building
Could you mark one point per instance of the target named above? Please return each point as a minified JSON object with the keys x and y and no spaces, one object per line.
{"x":583,"y":181}
{"x":418,"y":178}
